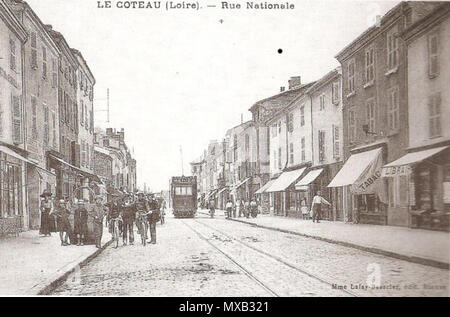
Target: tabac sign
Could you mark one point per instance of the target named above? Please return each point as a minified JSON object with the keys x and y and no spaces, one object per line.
{"x":370,"y":181}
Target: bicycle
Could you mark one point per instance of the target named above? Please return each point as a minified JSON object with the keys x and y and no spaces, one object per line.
{"x":116,"y":229}
{"x":143,"y":226}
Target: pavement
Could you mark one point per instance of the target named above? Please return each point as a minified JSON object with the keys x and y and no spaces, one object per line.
{"x":33,"y":265}
{"x":415,"y":245}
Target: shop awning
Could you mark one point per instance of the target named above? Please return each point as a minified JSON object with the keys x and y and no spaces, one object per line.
{"x":84,"y":173}
{"x":308,"y":179}
{"x":264,"y":188}
{"x":354,"y":168}
{"x":416,"y":157}
{"x":222,"y":190}
{"x":285,"y":180}
{"x":212,"y":192}
{"x":242,"y":183}
{"x":10,"y":152}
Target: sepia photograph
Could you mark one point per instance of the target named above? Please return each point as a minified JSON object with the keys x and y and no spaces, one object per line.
{"x":224,"y":153}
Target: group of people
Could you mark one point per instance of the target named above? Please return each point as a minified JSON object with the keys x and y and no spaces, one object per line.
{"x":55,"y":218}
{"x":125,"y":209}
{"x":242,"y":208}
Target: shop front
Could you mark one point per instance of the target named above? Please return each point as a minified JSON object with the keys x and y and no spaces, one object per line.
{"x":222,"y":195}
{"x":285,"y":200}
{"x":13,"y":212}
{"x":425,"y":175}
{"x":361,"y":173}
{"x":263,"y":197}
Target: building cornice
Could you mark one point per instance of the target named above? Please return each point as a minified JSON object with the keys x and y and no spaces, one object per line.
{"x":12,"y":22}
{"x":427,"y":22}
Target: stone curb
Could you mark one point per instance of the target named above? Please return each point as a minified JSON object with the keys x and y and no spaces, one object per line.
{"x":413,"y":259}
{"x":56,"y":281}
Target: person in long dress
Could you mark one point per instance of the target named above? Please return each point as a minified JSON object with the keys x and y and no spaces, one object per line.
{"x":46,"y":207}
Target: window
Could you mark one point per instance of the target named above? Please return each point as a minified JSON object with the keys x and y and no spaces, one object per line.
{"x":274,"y":159}
{"x":370,"y":114}
{"x":54,"y":78}
{"x":33,"y":44}
{"x":54,"y":129}
{"x":247,"y":143}
{"x":303,"y":149}
{"x":86,"y":119}
{"x":235,"y":148}
{"x":392,"y":49}
{"x":433,"y":54}
{"x":335,"y":92}
{"x":279,"y":126}
{"x":268,"y":144}
{"x":370,"y":65}
{"x":393,"y":109}
{"x":321,"y":136}
{"x":12,"y":51}
{"x":87,"y":155}
{"x":290,"y":119}
{"x":302,"y":115}
{"x":274,"y":130}
{"x":291,"y":153}
{"x":83,"y":153}
{"x":336,"y":142}
{"x":82,"y":113}
{"x":322,"y":102}
{"x":351,"y":126}
{"x":279,"y":158}
{"x":351,"y":76}
{"x":34,"y":132}
{"x":17,"y":119}
{"x":434,"y":115}
{"x":46,"y":125}
{"x":44,"y":62}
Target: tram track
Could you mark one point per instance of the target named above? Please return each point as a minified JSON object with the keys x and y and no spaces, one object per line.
{"x":241,"y":268}
{"x":305,"y":275}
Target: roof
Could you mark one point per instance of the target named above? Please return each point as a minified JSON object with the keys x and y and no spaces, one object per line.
{"x":325,"y":79}
{"x":277,"y":100}
{"x":299,"y":94}
{"x":78,"y":53}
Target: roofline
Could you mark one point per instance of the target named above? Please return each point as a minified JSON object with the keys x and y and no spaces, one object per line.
{"x":276,"y":96}
{"x":77,"y":52}
{"x":325,"y":80}
{"x":66,"y":48}
{"x":12,"y":22}
{"x":430,"y":20}
{"x":284,"y":108}
{"x":373,"y":29}
{"x":25,"y":7}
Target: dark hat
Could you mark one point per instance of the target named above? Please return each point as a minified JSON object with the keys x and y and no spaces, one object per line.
{"x":46,"y":193}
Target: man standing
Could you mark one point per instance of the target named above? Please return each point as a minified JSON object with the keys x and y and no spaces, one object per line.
{"x":62,"y":214}
{"x":99,"y":212}
{"x":141,"y":207}
{"x":80,"y":222}
{"x":153,"y":218}
{"x":316,"y":206}
{"x":128,"y":216}
{"x":229,"y":208}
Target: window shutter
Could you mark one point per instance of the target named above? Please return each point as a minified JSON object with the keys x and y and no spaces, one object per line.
{"x":17,"y":120}
{"x":433,"y":54}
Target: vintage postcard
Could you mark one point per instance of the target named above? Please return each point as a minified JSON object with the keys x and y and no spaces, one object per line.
{"x":228,"y":149}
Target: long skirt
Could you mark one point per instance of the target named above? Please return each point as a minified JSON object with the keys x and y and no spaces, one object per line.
{"x":45,"y":222}
{"x":98,"y":232}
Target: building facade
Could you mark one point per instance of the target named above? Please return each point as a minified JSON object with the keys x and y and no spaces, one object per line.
{"x":375,"y":116}
{"x":423,"y":174}
{"x":13,"y":192}
{"x":41,"y":129}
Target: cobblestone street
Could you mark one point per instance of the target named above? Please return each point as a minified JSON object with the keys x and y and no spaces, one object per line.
{"x":216,"y":257}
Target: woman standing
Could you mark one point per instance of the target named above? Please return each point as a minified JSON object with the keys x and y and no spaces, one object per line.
{"x":80,"y":222}
{"x":46,"y":208}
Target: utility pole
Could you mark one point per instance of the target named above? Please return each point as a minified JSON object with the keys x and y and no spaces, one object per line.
{"x":181,"y":155}
{"x":107,"y":104}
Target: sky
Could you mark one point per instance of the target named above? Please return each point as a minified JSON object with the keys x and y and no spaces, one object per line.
{"x":181,"y":78}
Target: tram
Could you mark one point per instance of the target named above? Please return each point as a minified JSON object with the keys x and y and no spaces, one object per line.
{"x":183,"y":196}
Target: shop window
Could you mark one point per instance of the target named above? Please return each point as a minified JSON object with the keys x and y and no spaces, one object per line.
{"x":367,"y":203}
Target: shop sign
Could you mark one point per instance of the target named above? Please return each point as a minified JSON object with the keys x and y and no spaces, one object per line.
{"x":392,"y":171}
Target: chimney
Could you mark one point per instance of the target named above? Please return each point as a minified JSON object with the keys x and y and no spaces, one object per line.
{"x":282,"y":88}
{"x":109,"y":131}
{"x":242,"y":118}
{"x":295,"y":82}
